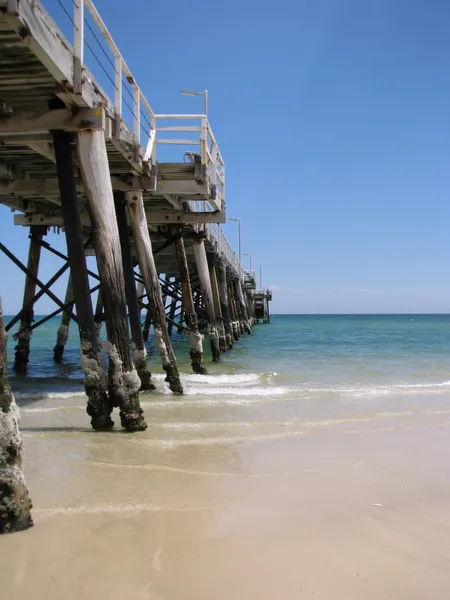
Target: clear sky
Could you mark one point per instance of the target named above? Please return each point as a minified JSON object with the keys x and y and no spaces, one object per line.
{"x":333,"y":117}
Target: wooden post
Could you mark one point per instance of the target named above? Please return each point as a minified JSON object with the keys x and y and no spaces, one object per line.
{"x":147,"y":265}
{"x":237,"y":308}
{"x":251,"y":309}
{"x":147,"y":323}
{"x":63,"y":329}
{"x":137,"y":338}
{"x":123,"y":380}
{"x":242,"y":308}
{"x":98,"y":316}
{"x":195,"y":339}
{"x":224,"y":302}
{"x":22,"y":350}
{"x":181,"y":319}
{"x":164,"y":293}
{"x":233,"y":311}
{"x":15,"y":503}
{"x":140,"y":291}
{"x":205,"y":284}
{"x":218,"y":308}
{"x":266,"y":310}
{"x":173,"y":305}
{"x":99,"y":407}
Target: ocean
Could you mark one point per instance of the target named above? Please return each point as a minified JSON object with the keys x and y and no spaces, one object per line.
{"x":309,"y":461}
{"x":296,"y":359}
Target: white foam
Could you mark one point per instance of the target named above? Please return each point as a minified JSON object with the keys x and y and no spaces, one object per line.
{"x":236,"y":379}
{"x":184,"y":401}
{"x":358,"y":391}
{"x":49,"y":409}
{"x":223,"y":379}
{"x":253,"y":391}
{"x":46,"y":395}
{"x":249,"y":388}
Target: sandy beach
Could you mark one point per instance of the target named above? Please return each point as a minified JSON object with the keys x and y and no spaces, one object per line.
{"x":355,"y":507}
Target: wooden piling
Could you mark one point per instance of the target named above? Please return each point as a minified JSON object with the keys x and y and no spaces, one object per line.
{"x":15,"y":503}
{"x":137,"y":338}
{"x":172,"y":309}
{"x":99,"y":407}
{"x":233,"y":312}
{"x":98,"y":315}
{"x":266,"y":310}
{"x":147,"y":323}
{"x":242,"y":307}
{"x":140,"y":291}
{"x":164,"y":291}
{"x":197,"y":298}
{"x":22,"y":350}
{"x":195,"y":339}
{"x":218,"y":307}
{"x":205,"y":285}
{"x":63,"y":329}
{"x":147,"y":265}
{"x":123,"y":380}
{"x":250,"y":308}
{"x":224,"y":302}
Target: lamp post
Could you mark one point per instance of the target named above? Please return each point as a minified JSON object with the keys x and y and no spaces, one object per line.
{"x":238,"y":221}
{"x":204,"y":93}
{"x":250,"y":257}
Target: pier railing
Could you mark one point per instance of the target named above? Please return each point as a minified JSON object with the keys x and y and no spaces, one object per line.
{"x":264,"y":292}
{"x":96,"y":57}
{"x":202,"y":144}
{"x":131,"y":108}
{"x":116,"y":71}
{"x":217,"y":237}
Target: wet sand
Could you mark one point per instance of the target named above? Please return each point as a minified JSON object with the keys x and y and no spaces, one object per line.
{"x":217,"y":505}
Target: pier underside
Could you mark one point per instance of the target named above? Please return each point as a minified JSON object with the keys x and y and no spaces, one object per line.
{"x":72,"y":164}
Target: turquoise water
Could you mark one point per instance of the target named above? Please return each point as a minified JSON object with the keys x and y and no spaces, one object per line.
{"x":296,"y":355}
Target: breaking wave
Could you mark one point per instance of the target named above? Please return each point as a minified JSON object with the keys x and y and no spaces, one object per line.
{"x":247,"y":388}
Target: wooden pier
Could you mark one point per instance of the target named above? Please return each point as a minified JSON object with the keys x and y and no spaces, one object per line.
{"x":71,"y":162}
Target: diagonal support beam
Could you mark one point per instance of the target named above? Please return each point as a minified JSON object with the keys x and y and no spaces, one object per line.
{"x":51,"y":315}
{"x":47,"y":246}
{"x":39,"y":295}
{"x":38,"y":282}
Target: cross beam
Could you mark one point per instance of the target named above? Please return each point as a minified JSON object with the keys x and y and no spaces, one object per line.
{"x":27,"y":271}
{"x":55,"y":219}
{"x":19,"y":123}
{"x":49,"y":187}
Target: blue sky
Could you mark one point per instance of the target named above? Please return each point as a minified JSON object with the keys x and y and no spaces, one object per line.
{"x":333,"y":119}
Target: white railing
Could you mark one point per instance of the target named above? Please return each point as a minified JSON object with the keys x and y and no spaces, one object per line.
{"x":217,"y":237}
{"x":146,"y":136}
{"x":140,"y":104}
{"x":206,"y":145}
